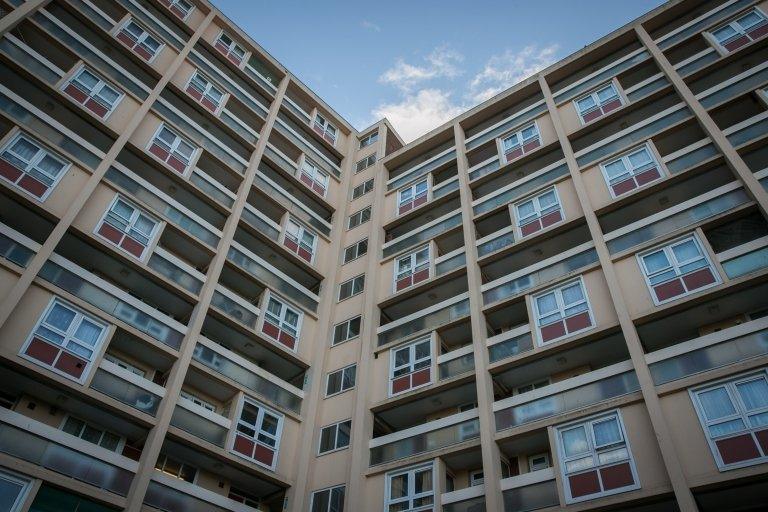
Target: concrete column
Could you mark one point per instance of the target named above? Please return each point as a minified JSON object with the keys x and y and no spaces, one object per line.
{"x":19,"y":14}
{"x":637,"y":355}
{"x":157,"y":434}
{"x":488,"y":447}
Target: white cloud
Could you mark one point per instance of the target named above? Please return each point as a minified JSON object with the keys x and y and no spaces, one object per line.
{"x":506,"y":69}
{"x":419,"y":113}
{"x":369,"y":25}
{"x":441,"y":63}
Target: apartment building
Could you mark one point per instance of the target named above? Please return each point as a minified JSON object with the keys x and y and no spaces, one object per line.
{"x":218,"y":295}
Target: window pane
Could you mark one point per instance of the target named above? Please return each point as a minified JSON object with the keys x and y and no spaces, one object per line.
{"x":348,"y":377}
{"x":327,"y":438}
{"x":423,"y":481}
{"x":88,"y":332}
{"x":716,"y":403}
{"x":754,"y":394}
{"x":606,"y":432}
{"x":548,"y":199}
{"x":343,"y":434}
{"x":9,"y":493}
{"x":575,"y":441}
{"x":727,"y":427}
{"x":526,"y":209}
{"x":320,"y":501}
{"x":656,"y":261}
{"x":422,"y":350}
{"x":615,"y":169}
{"x":398,"y":486}
{"x":60,"y":317}
{"x":572,"y":294}
{"x":546,"y":304}
{"x":606,"y":94}
{"x":402,"y":356}
{"x":640,"y":158}
{"x":749,"y":20}
{"x":586,"y":103}
{"x":334,"y":383}
{"x":686,"y":251}
{"x":73,"y":426}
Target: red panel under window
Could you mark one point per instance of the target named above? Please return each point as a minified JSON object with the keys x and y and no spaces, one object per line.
{"x":194,"y":93}
{"x":578,"y":322}
{"x":126,"y":39}
{"x":132,"y":246}
{"x":615,"y":477}
{"x":178,"y":12}
{"x":33,"y":186}
{"x":329,"y":138}
{"x":404,"y":208}
{"x":177,"y":164}
{"x":270,"y":330}
{"x":591,"y":116}
{"x":159,"y":152}
{"x":71,"y":365}
{"x":222,"y":47}
{"x":234,"y":58}
{"x":306,"y":180}
{"x":292,"y":245}
{"x":403,"y":283}
{"x":75,"y":93}
{"x":8,"y":171}
{"x":401,"y":384}
{"x":736,"y":43}
{"x":420,"y":276}
{"x":42,"y":351}
{"x":668,"y":290}
{"x":759,"y":31}
{"x":264,"y":455}
{"x":762,"y":439}
{"x":420,"y":377}
{"x":530,"y":228}
{"x":737,"y":449}
{"x":142,"y":52}
{"x":551,"y":218}
{"x":318,"y":129}
{"x":515,"y":153}
{"x":110,"y":233}
{"x":647,"y":176}
{"x":96,"y":107}
{"x":318,"y":188}
{"x":552,"y":331}
{"x":244,"y":445}
{"x":305,"y":254}
{"x":287,"y":340}
{"x":698,"y":279}
{"x":531,"y":145}
{"x":209,"y":104}
{"x":420,"y":200}
{"x":611,"y":105}
{"x":584,"y":484}
{"x":624,"y":186}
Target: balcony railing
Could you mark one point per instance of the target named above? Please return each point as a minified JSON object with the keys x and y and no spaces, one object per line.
{"x":421,"y":169}
{"x":434,"y":435}
{"x":456,"y":362}
{"x":428,"y":319}
{"x":200,"y":422}
{"x":15,"y":247}
{"x":168,"y":493}
{"x":423,"y":233}
{"x":469,"y":499}
{"x":516,"y":119}
{"x":451,"y":261}
{"x":700,"y":23}
{"x":127,"y":387}
{"x":235,"y":307}
{"x":748,"y":130}
{"x":742,"y":83}
{"x":745,"y":258}
{"x":530,"y":491}
{"x":510,"y":343}
{"x":519,"y":188}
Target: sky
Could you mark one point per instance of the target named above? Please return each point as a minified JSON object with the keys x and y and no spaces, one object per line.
{"x":422,"y":62}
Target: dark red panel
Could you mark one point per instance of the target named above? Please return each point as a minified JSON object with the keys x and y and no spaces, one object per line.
{"x":234,"y":58}
{"x":515,"y":153}
{"x":420,"y":276}
{"x":611,"y":105}
{"x":244,"y":445}
{"x":177,"y":164}
{"x":737,"y":449}
{"x":306,"y":180}
{"x":8,"y":171}
{"x":403,"y":283}
{"x":584,"y":484}
{"x":758,"y":32}
{"x":132,"y":246}
{"x":401,"y":384}
{"x":615,"y":477}
{"x":178,"y":12}
{"x":318,"y":188}
{"x":762,"y":439}
{"x":33,"y":186}
{"x":330,"y":139}
{"x":736,"y":43}
{"x":552,"y":331}
{"x":142,"y":52}
{"x":75,"y":93}
{"x":96,"y":107}
{"x":591,"y":116}
{"x":42,"y":351}
{"x":420,"y":200}
{"x":222,"y":47}
{"x":110,"y":233}
{"x":159,"y":152}
{"x":624,"y":186}
{"x":404,"y":208}
{"x":209,"y":104}
{"x":668,"y":290}
{"x":270,"y":330}
{"x":578,"y":322}
{"x":420,"y":377}
{"x":318,"y":129}
{"x":264,"y":455}
{"x":305,"y":254}
{"x":126,"y":39}
{"x":530,"y":146}
{"x":701,"y":277}
{"x":648,"y":176}
{"x":71,"y":365}
{"x":291,"y":244}
{"x":287,"y":340}
{"x":530,"y":228}
{"x":194,"y":93}
{"x":551,"y":218}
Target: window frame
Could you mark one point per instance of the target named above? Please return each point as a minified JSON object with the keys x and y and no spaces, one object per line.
{"x":521,"y":142}
{"x":285,"y":307}
{"x":195,"y":399}
{"x":210,"y":85}
{"x":315,"y":175}
{"x":411,"y":494}
{"x":165,"y":458}
{"x":329,"y":490}
{"x":733,"y":23}
{"x":336,"y":426}
{"x":597,"y":104}
{"x":358,"y":254}
{"x":140,"y":40}
{"x":93,"y":94}
{"x":370,"y":138}
{"x":120,"y":442}
{"x":299,"y":239}
{"x":258,"y":429}
{"x":367,"y":162}
{"x":544,"y":455}
{"x":137,"y":213}
{"x":327,"y":128}
{"x":174,"y":3}
{"x":125,"y":365}
{"x":415,"y":195}
{"x":172,"y":149}
{"x":411,"y":364}
{"x":412,"y":258}
{"x":366,"y":187}
{"x":230,"y":47}
{"x":342,"y":371}
{"x":632,"y":173}
{"x":32,"y":164}
{"x":361,"y":213}
{"x":346,"y":323}
{"x":339,"y":298}
{"x":23,"y":481}
{"x":561,"y":307}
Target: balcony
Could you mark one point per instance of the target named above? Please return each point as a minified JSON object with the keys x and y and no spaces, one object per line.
{"x":535,"y":490}
{"x":469,"y":499}
{"x":127,"y":387}
{"x":445,"y":230}
{"x":439,"y":315}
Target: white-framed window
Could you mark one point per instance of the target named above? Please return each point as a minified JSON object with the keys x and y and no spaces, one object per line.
{"x":175,"y":468}
{"x":204,"y":91}
{"x":65,"y":339}
{"x":746,"y":28}
{"x":631,"y":170}
{"x":411,"y":489}
{"x":677,"y":269}
{"x":411,"y":269}
{"x":324,"y":127}
{"x":562,"y":311}
{"x":258,"y":433}
{"x":347,"y":330}
{"x":352,"y":287}
{"x":180,"y":8}
{"x":334,"y":437}
{"x":14,"y":490}
{"x":532,"y":385}
{"x":172,"y":148}
{"x":282,"y":322}
{"x":597,"y":103}
{"x":514,"y":145}
{"x":538,"y":212}
{"x":125,"y":365}
{"x":359,"y":217}
{"x":93,"y":92}
{"x":128,"y":227}
{"x":138,"y":39}
{"x":192,"y":397}
{"x":412,"y":196}
{"x":28,"y":165}
{"x":341,"y":380}
{"x":313,"y":177}
{"x":300,"y":240}
{"x":92,"y":434}
{"x":734,"y":416}
{"x":328,"y":500}
{"x":476,"y":477}
{"x":362,"y":188}
{"x":410,"y":366}
{"x":369,"y":139}
{"x":230,"y":48}
{"x":365,"y":162}
{"x":538,"y":461}
{"x":355,"y":250}
{"x":596,"y":459}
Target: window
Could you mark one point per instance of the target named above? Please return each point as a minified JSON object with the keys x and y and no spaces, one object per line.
{"x":128,"y":227}
{"x":180,"y":8}
{"x":538,"y":212}
{"x":28,"y":165}
{"x":92,"y":434}
{"x":595,"y":458}
{"x":186,"y":395}
{"x":412,"y":269}
{"x":352,"y":287}
{"x":258,"y":433}
{"x":598,"y":103}
{"x":412,"y":196}
{"x":205,"y":92}
{"x":677,"y":269}
{"x":139,"y":40}
{"x":476,"y":477}
{"x":365,"y":162}
{"x":176,"y":468}
{"x":539,"y":461}
{"x":521,"y":142}
{"x":243,"y":497}
{"x":562,"y":311}
{"x":313,"y":177}
{"x":356,"y":250}
{"x":410,"y":366}
{"x":300,"y":240}
{"x":747,"y":27}
{"x":531,"y":386}
{"x":362,"y":188}
{"x":328,"y":500}
{"x":630,"y":171}
{"x":172,"y":149}
{"x":334,"y":437}
{"x":369,"y":139}
{"x":65,"y":339}
{"x":326,"y":130}
{"x":734,"y":416}
{"x":13,"y":491}
{"x":90,"y":90}
{"x":347,"y":330}
{"x":359,"y":217}
{"x":410,"y":489}
{"x":281,"y":322}
{"x":230,"y":49}
{"x":126,"y":366}
{"x":341,"y":380}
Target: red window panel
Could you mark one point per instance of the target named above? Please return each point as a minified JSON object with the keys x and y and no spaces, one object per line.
{"x":738,"y":449}
{"x":410,"y":381}
{"x":677,"y":269}
{"x":584,"y":484}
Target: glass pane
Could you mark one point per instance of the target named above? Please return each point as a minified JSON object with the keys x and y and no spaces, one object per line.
{"x":91,"y":434}
{"x":754,"y":394}
{"x":547,"y":200}
{"x":73,"y":426}
{"x":320,"y":501}
{"x":88,"y":332}
{"x":334,"y":383}
{"x":759,"y":420}
{"x":586,"y":103}
{"x":613,"y":456}
{"x":24,"y":149}
{"x":655,"y":261}
{"x":606,"y":432}
{"x":572,"y":294}
{"x":342,"y":438}
{"x":727,"y":427}
{"x":122,"y":209}
{"x":546,"y":304}
{"x":606,"y":94}
{"x":109,"y":95}
{"x":724,"y":33}
{"x":423,"y":481}
{"x":422,"y":350}
{"x":9,"y":493}
{"x":575,"y":441}
{"x":274,"y":307}
{"x":686,"y":251}
{"x":402,"y":357}
{"x":327,"y":439}
{"x":716,"y":403}
{"x":50,"y":166}
{"x":615,"y":169}
{"x":639,"y":158}
{"x":398,"y":486}
{"x":269,"y":424}
{"x":526,"y":209}
{"x":749,"y":20}
{"x":60,"y":317}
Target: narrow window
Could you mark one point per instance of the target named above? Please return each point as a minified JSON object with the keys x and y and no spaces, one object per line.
{"x":410,"y":489}
{"x":180,"y":8}
{"x":334,"y":437}
{"x":341,"y":380}
{"x":351,"y":287}
{"x":346,"y":330}
{"x":369,"y":139}
{"x":313,"y":177}
{"x":360,"y":217}
{"x":258,"y":433}
{"x":325,"y":129}
{"x":328,"y":500}
{"x":355,"y":250}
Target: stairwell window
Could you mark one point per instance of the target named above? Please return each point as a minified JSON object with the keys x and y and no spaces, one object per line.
{"x":677,"y":269}
{"x":742,"y":30}
{"x":138,"y":39}
{"x":205,"y":92}
{"x":351,"y":287}
{"x":258,"y":433}
{"x":562,"y":311}
{"x":93,"y":92}
{"x":630,"y":171}
{"x":173,"y":149}
{"x":28,"y":165}
{"x":410,"y":366}
{"x":412,"y":269}
{"x":355,"y":250}
{"x":359,"y":217}
{"x":334,"y":437}
{"x":65,"y":339}
{"x":328,"y":500}
{"x":341,"y":380}
{"x":365,"y":163}
{"x":369,"y":139}
{"x":325,"y":129}
{"x":412,"y":196}
{"x":410,"y":489}
{"x":129,"y":227}
{"x":180,"y":8}
{"x":281,"y":322}
{"x":313,"y":177}
{"x":599,"y":102}
{"x":15,"y":490}
{"x":300,"y":240}
{"x":346,"y":330}
{"x":515,"y":145}
{"x":538,"y":212}
{"x":362,"y":188}
{"x":229,"y":48}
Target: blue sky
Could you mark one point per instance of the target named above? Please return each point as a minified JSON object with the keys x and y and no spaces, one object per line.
{"x":422,"y":62}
